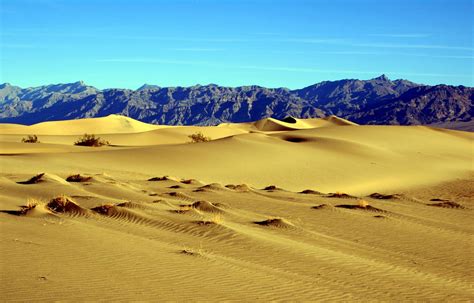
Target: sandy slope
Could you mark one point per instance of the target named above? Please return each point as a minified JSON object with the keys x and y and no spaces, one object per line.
{"x":165,"y":244}
{"x":106,"y":125}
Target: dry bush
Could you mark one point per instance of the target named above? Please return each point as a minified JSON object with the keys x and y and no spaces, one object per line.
{"x":275,"y":222}
{"x":24,"y":209}
{"x":192,"y":251}
{"x":164,"y":178}
{"x":91,"y":140}
{"x":199,"y":137}
{"x":33,"y":180}
{"x":63,"y":204}
{"x":339,"y":195}
{"x":30,"y":139}
{"x":78,"y":178}
{"x":31,"y":203}
{"x":104,"y":209}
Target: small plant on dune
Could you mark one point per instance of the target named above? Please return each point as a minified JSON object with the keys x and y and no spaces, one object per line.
{"x":275,"y":222}
{"x":164,"y":178}
{"x":33,"y":180}
{"x":59,"y":203}
{"x":192,"y":251}
{"x":339,"y":195}
{"x":62,"y":204}
{"x":30,"y":139}
{"x":185,"y":207}
{"x":31,"y":203}
{"x":363,"y":203}
{"x":216,"y":219}
{"x":78,"y":178}
{"x":199,"y":137}
{"x":91,"y":140}
{"x":24,"y":209}
{"x":104,"y":209}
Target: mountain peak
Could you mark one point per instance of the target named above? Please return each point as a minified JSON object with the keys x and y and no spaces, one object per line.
{"x":382,"y":77}
{"x":79,"y":83}
{"x":148,"y":86}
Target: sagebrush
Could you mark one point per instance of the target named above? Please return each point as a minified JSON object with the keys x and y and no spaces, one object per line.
{"x":199,"y":137}
{"x":30,"y":139}
{"x":91,"y":140}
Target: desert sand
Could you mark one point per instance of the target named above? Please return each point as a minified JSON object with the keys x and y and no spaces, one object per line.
{"x":297,"y":210}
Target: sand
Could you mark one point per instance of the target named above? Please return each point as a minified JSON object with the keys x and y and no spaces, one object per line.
{"x":229,"y":221}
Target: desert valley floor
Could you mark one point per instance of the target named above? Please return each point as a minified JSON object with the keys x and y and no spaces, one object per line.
{"x":301,"y":209}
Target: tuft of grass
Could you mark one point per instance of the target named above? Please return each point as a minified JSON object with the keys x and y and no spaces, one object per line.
{"x":164,"y":178}
{"x":33,"y":180}
{"x":198,"y":138}
{"x":91,"y":140}
{"x":24,"y":209}
{"x":192,"y":251}
{"x":275,"y":222}
{"x":271,"y":187}
{"x":186,"y":207}
{"x":216,"y":219}
{"x":31,"y":203}
{"x":104,"y":209}
{"x":77,"y":178}
{"x":339,"y":195}
{"x":363,"y":204}
{"x":310,"y":192}
{"x":189,"y":181}
{"x":62,"y":204}
{"x":30,"y":139}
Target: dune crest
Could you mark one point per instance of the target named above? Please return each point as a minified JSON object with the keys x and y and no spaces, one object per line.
{"x":291,"y":123}
{"x":105,"y":125}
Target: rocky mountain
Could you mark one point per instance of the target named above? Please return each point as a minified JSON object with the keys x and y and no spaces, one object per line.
{"x":422,"y":105}
{"x":375,"y":101}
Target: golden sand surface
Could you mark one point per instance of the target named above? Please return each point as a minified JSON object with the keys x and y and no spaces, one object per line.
{"x":304,"y":210}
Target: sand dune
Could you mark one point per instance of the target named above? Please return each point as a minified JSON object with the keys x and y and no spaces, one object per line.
{"x":302,"y":209}
{"x":107,"y":125}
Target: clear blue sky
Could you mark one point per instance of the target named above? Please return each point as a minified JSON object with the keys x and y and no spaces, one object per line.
{"x":274,"y":43}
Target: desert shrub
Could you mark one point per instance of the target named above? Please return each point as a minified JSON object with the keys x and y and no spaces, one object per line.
{"x":91,"y":140}
{"x":30,"y":205}
{"x":78,"y":178}
{"x":30,"y":139}
{"x":199,"y":137}
{"x":62,"y":204}
{"x":33,"y":180}
{"x":215,"y":219}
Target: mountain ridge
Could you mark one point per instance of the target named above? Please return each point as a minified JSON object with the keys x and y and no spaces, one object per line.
{"x":374,"y":101}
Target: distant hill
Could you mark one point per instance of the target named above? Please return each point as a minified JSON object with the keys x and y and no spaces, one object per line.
{"x":375,"y":101}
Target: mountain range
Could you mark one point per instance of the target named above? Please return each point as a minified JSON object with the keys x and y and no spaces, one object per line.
{"x":375,"y":101}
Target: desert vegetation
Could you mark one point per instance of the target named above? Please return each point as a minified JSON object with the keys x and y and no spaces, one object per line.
{"x":30,"y":139}
{"x":62,"y":204}
{"x":33,"y":180}
{"x":214,"y":219}
{"x":199,"y":137}
{"x":91,"y":140}
{"x":78,"y":178}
